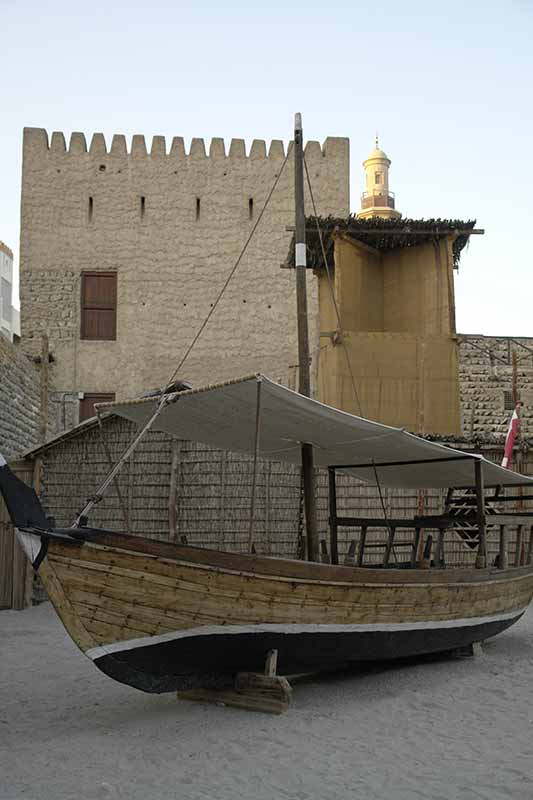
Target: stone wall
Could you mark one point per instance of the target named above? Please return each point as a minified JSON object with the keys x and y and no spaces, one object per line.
{"x":20,"y":402}
{"x":486,"y":380}
{"x":171,"y":224}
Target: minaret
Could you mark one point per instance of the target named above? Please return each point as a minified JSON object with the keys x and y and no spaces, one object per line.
{"x":377,"y":200}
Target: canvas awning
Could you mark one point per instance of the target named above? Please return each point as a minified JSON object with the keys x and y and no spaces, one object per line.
{"x":224,"y":416}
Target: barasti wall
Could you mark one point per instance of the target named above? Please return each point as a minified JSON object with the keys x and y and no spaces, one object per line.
{"x":171,"y":224}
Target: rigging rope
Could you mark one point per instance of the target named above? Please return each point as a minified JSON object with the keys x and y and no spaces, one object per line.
{"x":332,"y":292}
{"x":228,"y":279}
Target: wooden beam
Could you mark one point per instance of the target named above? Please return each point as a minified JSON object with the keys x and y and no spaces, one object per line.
{"x":399,"y":231}
{"x":349,"y":558}
{"x":362,"y":542}
{"x":503,"y":560}
{"x":389,"y":545}
{"x":518,"y":547}
{"x":333,"y":531}
{"x":172,"y":491}
{"x":356,"y":243}
{"x":481,"y":558}
{"x":402,"y":463}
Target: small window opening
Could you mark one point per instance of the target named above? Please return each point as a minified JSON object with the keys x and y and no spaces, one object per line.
{"x":378,"y":177}
{"x":508,"y":400}
{"x":251,"y":207}
{"x":91,"y":206}
{"x":143,"y":205}
{"x":197,"y":208}
{"x":102,"y":167}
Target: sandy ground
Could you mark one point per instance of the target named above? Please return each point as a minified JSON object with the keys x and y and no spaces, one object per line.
{"x":434,"y":729}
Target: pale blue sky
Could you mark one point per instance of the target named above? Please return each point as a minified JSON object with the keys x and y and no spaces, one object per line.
{"x":448,"y":86}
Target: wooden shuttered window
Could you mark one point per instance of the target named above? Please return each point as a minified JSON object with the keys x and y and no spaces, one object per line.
{"x":88,"y":403}
{"x":99,"y":305}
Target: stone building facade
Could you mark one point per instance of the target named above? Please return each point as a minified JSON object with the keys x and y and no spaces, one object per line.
{"x":486,"y":384}
{"x":163,"y":229}
{"x":20,"y":402}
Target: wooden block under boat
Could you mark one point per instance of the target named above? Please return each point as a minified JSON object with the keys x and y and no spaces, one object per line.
{"x":252,"y":691}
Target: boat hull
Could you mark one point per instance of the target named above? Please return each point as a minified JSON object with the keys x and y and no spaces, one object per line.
{"x":161,"y":617}
{"x":213,"y":659}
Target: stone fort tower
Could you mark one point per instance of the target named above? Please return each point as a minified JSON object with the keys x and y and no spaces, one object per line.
{"x":123,"y":252}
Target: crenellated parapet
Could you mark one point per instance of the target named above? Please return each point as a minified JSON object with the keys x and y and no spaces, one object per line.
{"x":37,"y":142}
{"x":169,"y":217}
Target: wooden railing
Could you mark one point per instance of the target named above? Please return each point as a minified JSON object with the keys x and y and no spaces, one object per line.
{"x":474,"y":517}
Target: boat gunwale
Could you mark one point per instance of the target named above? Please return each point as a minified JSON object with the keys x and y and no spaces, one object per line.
{"x":274,"y":567}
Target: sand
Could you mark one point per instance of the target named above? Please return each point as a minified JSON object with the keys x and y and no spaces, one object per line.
{"x":440,"y":728}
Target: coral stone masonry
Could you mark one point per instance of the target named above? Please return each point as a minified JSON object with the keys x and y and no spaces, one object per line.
{"x":486,"y":384}
{"x":124,"y":252}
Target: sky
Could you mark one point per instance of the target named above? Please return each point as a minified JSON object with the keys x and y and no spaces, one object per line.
{"x":449,"y":87}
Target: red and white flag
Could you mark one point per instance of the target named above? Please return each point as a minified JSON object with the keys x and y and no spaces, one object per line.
{"x":512,"y":433}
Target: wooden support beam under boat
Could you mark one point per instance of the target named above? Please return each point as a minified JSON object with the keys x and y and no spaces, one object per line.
{"x":252,"y":691}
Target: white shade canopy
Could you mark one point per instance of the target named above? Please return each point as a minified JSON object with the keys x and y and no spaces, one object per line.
{"x":224,"y":416}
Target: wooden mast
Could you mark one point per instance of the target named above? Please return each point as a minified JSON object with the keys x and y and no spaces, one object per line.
{"x":304,"y":382}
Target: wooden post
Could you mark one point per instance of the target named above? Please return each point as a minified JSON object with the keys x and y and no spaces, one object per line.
{"x":389,"y":545}
{"x":518,"y":547}
{"x":349,"y":558}
{"x":304,"y":381}
{"x":115,"y":479}
{"x":481,"y":558}
{"x":503,"y":562}
{"x":415,"y":556}
{"x":530,"y":546}
{"x":362,"y":542}
{"x":333,"y":531}
{"x":256,"y":455}
{"x":324,"y":555}
{"x":172,"y":491}
{"x":44,"y":386}
{"x":439,"y":556}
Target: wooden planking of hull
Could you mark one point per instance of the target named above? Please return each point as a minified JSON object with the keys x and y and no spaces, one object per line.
{"x":161,"y":617}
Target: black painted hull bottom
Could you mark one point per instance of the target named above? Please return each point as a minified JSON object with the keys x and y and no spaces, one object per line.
{"x":212,"y":660}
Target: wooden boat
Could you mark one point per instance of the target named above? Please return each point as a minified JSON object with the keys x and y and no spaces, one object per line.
{"x":160,"y":616}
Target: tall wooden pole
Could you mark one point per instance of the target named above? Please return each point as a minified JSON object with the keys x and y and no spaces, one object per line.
{"x":304,"y":382}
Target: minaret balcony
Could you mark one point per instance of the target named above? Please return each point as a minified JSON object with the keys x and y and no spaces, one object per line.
{"x":377,"y":199}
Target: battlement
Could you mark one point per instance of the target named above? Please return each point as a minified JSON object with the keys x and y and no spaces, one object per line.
{"x":37,"y":142}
